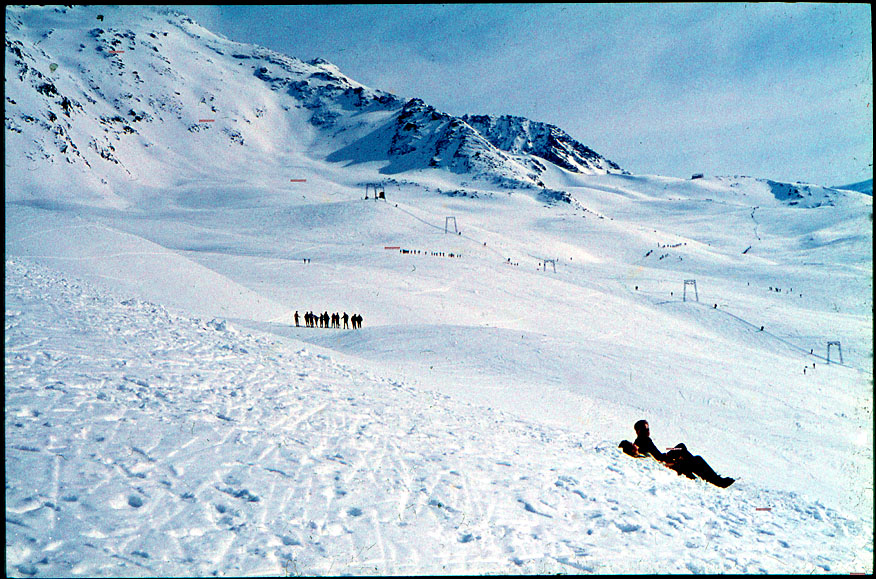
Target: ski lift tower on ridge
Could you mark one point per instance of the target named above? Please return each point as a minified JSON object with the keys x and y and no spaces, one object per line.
{"x":690,"y":282}
{"x":379,"y":191}
{"x":839,"y":349}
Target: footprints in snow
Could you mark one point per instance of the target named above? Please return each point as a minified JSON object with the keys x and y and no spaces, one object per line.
{"x":242,"y":494}
{"x":124,"y":501}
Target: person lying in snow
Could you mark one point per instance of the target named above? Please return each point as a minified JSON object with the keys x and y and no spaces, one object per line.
{"x":678,"y":459}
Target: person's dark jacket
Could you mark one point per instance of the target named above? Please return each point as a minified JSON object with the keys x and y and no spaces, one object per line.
{"x":647,"y":447}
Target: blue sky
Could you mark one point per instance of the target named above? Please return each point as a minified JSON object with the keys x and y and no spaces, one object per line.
{"x":781,"y":91}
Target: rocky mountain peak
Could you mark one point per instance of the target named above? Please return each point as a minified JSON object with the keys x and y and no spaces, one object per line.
{"x":521,"y":136}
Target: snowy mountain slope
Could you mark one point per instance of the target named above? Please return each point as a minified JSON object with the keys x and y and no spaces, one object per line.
{"x":148,"y":92}
{"x":521,"y":136}
{"x":493,"y":329}
{"x":156,"y":100}
{"x":175,"y":446}
{"x":133,"y":265}
{"x":734,"y":366}
{"x":862,"y":187}
{"x":757,"y":213}
{"x":421,"y":137}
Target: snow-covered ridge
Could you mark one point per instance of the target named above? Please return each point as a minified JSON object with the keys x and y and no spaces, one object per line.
{"x":865,"y":187}
{"x":521,"y":136}
{"x":124,"y":92}
{"x":119,"y":92}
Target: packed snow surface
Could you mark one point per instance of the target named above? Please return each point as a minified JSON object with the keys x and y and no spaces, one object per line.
{"x":140,"y":442}
{"x":164,"y":415}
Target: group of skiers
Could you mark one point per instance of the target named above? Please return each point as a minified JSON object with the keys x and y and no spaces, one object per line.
{"x":326,"y":320}
{"x":432,"y":253}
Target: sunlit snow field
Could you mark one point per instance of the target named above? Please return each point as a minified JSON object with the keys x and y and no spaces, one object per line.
{"x":165,"y":416}
{"x":171,"y":419}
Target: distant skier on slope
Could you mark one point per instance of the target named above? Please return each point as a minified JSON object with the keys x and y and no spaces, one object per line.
{"x":678,"y":459}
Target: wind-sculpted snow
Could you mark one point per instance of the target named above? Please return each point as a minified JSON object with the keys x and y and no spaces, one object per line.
{"x":140,"y":442}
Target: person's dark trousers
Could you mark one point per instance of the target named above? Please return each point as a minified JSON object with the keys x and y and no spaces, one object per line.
{"x":696,"y":465}
{"x":690,"y":465}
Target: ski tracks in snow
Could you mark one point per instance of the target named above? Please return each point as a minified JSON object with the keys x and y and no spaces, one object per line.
{"x":143,"y":443}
